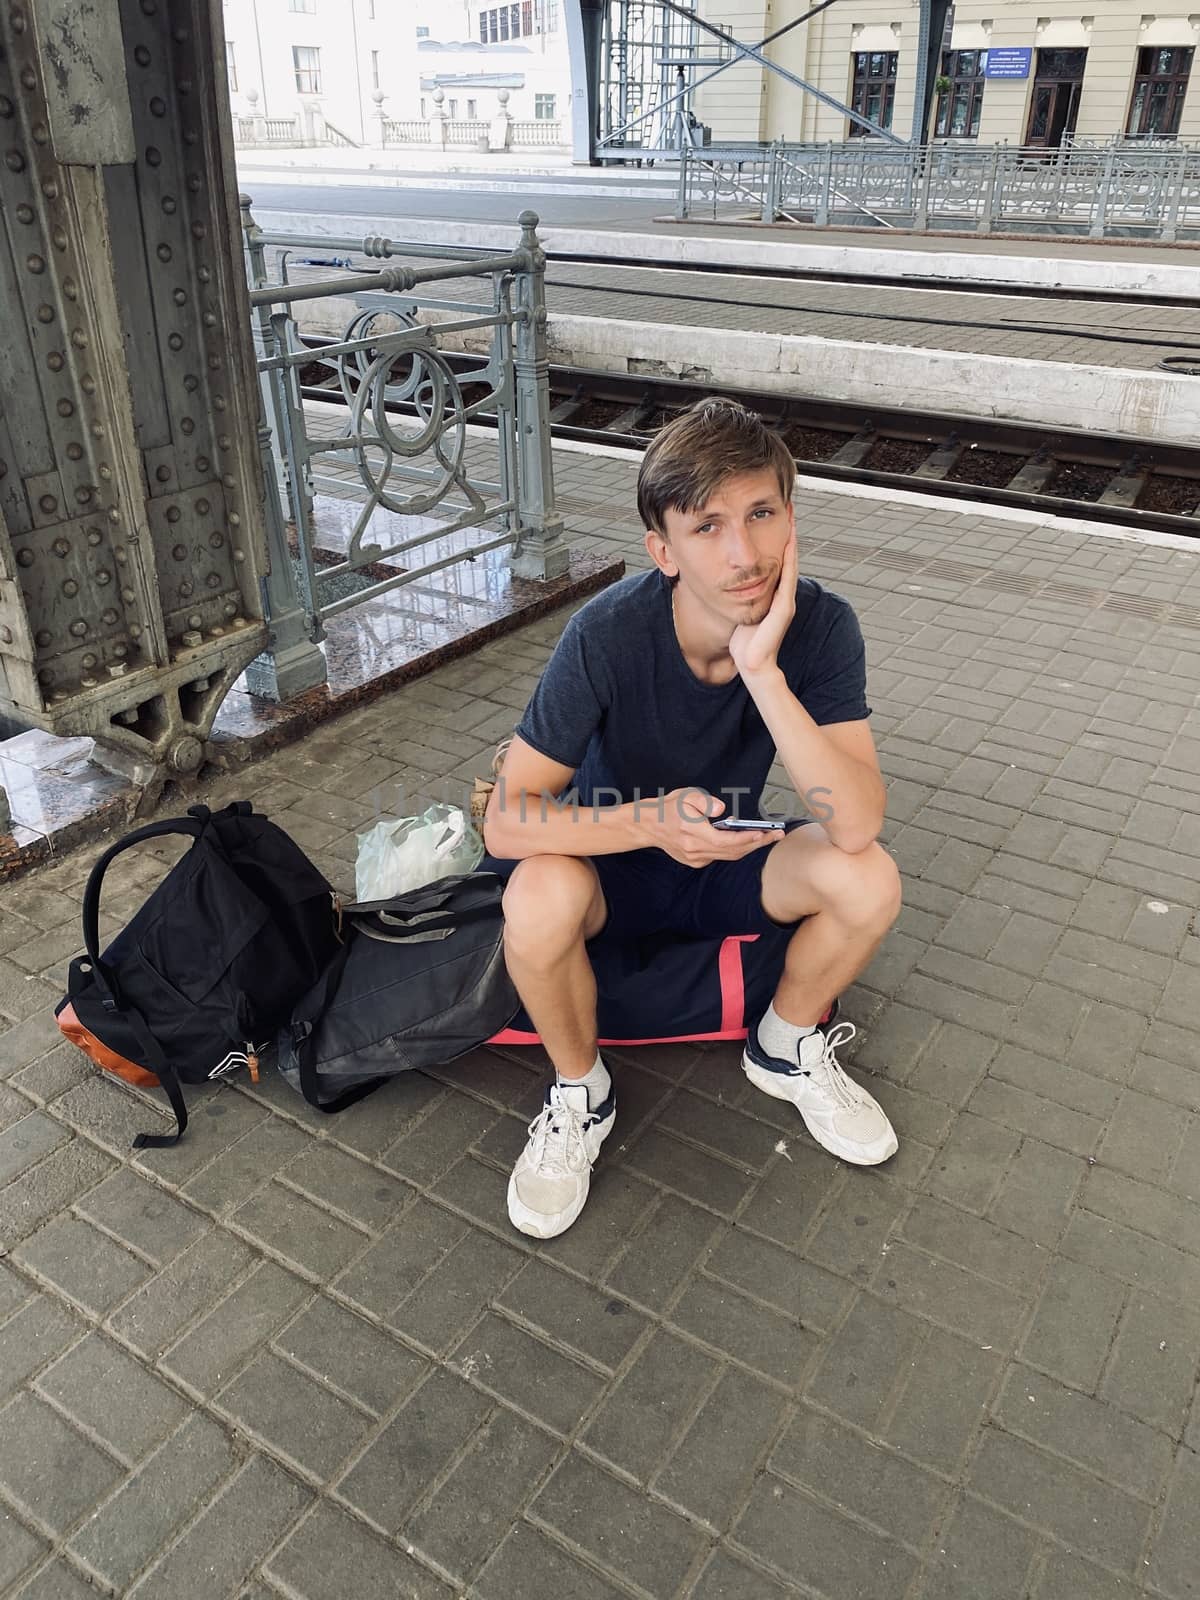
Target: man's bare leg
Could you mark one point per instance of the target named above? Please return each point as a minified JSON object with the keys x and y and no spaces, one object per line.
{"x":849,"y":902}
{"x":551,"y":906}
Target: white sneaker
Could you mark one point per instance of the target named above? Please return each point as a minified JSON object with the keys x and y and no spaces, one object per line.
{"x":838,"y":1113}
{"x":550,"y":1181}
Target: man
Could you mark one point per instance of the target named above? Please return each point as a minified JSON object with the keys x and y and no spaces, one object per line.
{"x":671,"y":692}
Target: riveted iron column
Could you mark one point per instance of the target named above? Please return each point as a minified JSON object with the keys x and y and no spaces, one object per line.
{"x":541,"y":550}
{"x":129,"y":545}
{"x":293,"y":661}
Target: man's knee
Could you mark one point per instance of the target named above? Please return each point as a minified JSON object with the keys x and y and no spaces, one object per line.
{"x":861,"y":890}
{"x":547,"y":900}
{"x":864,"y":888}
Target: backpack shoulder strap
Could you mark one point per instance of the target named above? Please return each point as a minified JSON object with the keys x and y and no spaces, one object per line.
{"x":192,"y":826}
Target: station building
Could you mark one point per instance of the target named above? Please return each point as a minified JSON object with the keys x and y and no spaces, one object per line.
{"x":1012,"y":72}
{"x":334,"y":67}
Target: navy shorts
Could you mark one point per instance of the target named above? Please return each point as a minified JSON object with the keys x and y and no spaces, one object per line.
{"x":647,"y":892}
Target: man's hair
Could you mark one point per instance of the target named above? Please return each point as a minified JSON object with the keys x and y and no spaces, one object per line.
{"x":693,"y":455}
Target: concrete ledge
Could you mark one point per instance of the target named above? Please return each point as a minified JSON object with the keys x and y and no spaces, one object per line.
{"x":1120,"y":273}
{"x":1144,"y":405}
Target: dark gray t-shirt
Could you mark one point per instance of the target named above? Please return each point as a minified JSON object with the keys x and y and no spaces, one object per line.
{"x":619,"y":704}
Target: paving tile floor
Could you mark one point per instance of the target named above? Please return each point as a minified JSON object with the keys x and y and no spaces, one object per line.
{"x":307,"y":1357}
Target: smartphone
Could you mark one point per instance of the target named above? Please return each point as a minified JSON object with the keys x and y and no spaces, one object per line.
{"x":750,"y":824}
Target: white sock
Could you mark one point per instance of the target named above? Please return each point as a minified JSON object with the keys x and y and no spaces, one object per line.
{"x":780,"y":1038}
{"x":597,"y":1082}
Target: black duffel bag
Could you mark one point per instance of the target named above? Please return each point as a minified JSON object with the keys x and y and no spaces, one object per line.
{"x":419,"y":980}
{"x":213,"y":962}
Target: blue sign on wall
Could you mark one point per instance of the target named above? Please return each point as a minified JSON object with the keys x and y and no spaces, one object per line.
{"x":1008,"y":62}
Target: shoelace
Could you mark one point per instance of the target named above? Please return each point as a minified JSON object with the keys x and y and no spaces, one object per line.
{"x":558,"y":1147}
{"x":829,"y":1069}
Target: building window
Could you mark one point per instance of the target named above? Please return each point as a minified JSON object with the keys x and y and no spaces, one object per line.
{"x":231,"y":66}
{"x":422,"y":33}
{"x":959,"y":105}
{"x":1158,"y":92}
{"x":472,"y":110}
{"x":306,"y":60}
{"x":371,"y":10}
{"x":543,"y":107}
{"x":873,"y":93}
{"x":1057,"y":89}
{"x":452,"y":109}
{"x":302,"y":5}
{"x":509,"y":21}
{"x":424,"y":113}
{"x":546,"y":16}
{"x":374,"y":69}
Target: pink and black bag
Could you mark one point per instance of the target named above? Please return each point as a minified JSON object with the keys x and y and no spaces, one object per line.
{"x":667,"y":989}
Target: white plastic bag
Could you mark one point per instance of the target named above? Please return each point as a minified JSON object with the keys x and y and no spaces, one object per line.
{"x":401,"y":854}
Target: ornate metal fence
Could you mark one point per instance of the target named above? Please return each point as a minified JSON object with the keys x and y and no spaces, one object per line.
{"x":414,"y":465}
{"x":1124,"y":190}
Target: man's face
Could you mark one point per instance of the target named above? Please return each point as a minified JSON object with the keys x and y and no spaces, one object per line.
{"x":729,"y":553}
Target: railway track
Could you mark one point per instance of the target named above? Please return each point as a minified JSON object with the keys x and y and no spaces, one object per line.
{"x":1114,"y":479}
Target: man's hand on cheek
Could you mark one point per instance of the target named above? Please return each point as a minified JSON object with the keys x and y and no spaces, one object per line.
{"x":755,"y":646}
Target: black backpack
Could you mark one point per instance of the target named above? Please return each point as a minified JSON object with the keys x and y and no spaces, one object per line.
{"x":213,"y":962}
{"x":420,"y":980}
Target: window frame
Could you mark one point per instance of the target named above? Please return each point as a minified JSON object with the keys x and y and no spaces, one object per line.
{"x":312,"y":72}
{"x":231,"y":66}
{"x":969,"y":85}
{"x":864,"y":80}
{"x":1141,"y":94}
{"x":540,"y":104}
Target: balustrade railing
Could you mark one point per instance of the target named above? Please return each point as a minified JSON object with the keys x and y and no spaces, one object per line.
{"x":406,"y":430}
{"x":465,"y":132}
{"x":543,"y":130}
{"x":396,"y":131}
{"x":442,"y":132}
{"x":267,"y":130}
